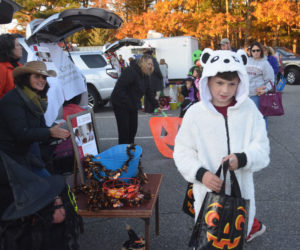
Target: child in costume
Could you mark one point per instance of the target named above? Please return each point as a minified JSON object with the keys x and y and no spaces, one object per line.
{"x":190,"y":93}
{"x":224,"y":126}
{"x":196,"y":70}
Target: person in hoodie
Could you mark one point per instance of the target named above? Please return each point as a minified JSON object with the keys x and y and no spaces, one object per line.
{"x":133,"y":83}
{"x":224,"y":126}
{"x":260,"y":74}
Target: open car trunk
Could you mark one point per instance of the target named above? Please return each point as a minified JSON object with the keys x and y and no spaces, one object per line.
{"x":62,"y":25}
{"x":112,"y":47}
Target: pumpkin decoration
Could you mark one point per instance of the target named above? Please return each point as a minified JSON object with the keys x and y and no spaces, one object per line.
{"x":164,"y":131}
{"x":228,"y":237}
{"x":223,"y":219}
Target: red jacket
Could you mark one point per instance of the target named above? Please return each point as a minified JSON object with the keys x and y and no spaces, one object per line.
{"x":6,"y":78}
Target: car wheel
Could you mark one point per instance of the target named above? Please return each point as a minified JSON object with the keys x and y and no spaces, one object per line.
{"x":93,"y":97}
{"x":293,"y":76}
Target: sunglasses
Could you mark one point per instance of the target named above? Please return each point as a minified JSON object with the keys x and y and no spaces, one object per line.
{"x":255,"y":50}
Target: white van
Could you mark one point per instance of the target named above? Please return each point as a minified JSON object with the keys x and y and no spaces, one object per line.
{"x":177,"y":52}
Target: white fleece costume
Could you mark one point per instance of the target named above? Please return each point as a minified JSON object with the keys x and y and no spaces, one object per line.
{"x":202,"y":139}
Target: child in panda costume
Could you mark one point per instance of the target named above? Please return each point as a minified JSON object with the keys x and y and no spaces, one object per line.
{"x":224,"y":125}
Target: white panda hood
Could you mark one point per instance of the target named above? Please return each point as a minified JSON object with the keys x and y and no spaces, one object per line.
{"x":220,"y":61}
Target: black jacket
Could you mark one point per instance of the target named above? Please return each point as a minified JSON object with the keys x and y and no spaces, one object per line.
{"x":21,"y":124}
{"x":130,"y":88}
{"x":156,"y":78}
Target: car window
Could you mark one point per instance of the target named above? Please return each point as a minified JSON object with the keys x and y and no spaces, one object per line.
{"x":94,"y":61}
{"x":285,"y":53}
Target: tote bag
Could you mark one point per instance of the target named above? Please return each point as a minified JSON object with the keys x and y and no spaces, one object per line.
{"x":223,"y":220}
{"x":188,"y":203}
{"x":270,"y":104}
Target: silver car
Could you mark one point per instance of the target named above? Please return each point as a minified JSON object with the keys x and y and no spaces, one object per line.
{"x":99,"y":74}
{"x":99,"y":69}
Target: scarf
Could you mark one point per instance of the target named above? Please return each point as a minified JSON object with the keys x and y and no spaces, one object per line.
{"x":35,"y":98}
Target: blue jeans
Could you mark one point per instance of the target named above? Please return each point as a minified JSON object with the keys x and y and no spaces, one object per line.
{"x":256,"y":100}
{"x":35,"y":150}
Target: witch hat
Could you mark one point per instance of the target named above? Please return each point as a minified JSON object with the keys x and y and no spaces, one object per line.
{"x":31,"y":192}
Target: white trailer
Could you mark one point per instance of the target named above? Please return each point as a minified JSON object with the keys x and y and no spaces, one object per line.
{"x":177,"y":52}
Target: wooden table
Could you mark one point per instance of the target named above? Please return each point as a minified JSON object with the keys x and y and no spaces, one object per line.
{"x":144,"y":211}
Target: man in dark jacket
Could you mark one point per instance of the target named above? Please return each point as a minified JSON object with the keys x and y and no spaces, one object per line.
{"x":133,"y":83}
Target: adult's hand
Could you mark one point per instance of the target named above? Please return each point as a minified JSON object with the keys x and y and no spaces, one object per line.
{"x":58,"y":132}
{"x":59,"y":214}
{"x":212,"y":181}
{"x":261,"y":90}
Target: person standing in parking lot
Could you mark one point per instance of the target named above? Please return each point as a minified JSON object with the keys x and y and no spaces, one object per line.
{"x":133,"y":83}
{"x":260,"y":74}
{"x":10,"y":54}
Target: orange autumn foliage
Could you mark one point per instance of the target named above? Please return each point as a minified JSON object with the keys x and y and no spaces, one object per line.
{"x":272,"y":21}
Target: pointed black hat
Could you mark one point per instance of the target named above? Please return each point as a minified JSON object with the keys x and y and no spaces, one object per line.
{"x":31,"y":192}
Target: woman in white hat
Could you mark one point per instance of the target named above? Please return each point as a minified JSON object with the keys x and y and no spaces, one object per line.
{"x":22,"y":128}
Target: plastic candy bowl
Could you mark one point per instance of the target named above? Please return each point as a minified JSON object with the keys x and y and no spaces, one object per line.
{"x":115,"y":157}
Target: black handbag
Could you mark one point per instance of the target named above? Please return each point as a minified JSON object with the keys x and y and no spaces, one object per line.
{"x":223,"y":220}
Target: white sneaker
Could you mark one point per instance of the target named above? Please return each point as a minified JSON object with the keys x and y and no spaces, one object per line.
{"x":253,"y":235}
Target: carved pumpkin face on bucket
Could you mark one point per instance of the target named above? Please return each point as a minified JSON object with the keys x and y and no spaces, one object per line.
{"x":232,"y":225}
{"x":164,"y":131}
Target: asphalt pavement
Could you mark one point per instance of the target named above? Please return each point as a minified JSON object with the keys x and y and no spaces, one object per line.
{"x":277,"y":188}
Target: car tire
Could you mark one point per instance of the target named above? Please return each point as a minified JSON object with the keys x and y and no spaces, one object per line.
{"x":93,"y":97}
{"x":293,"y":76}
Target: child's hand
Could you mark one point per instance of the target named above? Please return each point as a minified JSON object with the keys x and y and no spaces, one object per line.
{"x":233,"y":161}
{"x":212,"y":181}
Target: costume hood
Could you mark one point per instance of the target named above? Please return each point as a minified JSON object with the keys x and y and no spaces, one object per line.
{"x":220,"y":61}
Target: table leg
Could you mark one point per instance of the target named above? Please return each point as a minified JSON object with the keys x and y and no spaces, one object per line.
{"x":147,"y":233}
{"x":157,"y":216}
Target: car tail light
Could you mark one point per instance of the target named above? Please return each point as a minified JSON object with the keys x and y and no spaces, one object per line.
{"x":112,"y":73}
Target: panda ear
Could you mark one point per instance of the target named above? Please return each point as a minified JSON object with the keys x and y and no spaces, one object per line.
{"x":205,"y":55}
{"x":243,"y":55}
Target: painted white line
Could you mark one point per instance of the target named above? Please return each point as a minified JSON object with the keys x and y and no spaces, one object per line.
{"x":110,"y":117}
{"x":115,"y":138}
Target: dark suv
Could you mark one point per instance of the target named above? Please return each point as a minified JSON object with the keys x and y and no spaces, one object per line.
{"x":291,"y":63}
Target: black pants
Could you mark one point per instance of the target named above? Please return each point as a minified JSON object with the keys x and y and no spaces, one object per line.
{"x":149,"y":108}
{"x":127,"y":122}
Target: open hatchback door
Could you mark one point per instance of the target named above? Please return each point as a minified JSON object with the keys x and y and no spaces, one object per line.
{"x":62,"y":25}
{"x":112,"y":47}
